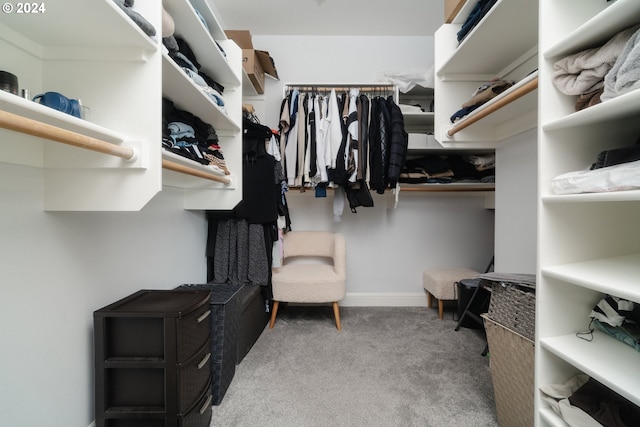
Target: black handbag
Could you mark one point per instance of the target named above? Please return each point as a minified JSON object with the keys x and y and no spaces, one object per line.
{"x":358,"y":195}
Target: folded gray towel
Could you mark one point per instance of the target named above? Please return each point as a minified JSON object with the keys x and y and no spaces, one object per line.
{"x":625,"y":74}
{"x":584,"y":71}
{"x":136,"y":17}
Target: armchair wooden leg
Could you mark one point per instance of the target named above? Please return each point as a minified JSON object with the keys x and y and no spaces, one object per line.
{"x":429,"y":300}
{"x":336,"y":313}
{"x":440,"y":308}
{"x":274,"y":311}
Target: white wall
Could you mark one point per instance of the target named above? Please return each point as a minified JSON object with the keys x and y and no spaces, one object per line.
{"x":387,"y":248}
{"x":516,"y":204}
{"x":56,"y":268}
{"x":338,"y":59}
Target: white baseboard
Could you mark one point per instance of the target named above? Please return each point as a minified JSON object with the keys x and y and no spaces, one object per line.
{"x":366,"y":299}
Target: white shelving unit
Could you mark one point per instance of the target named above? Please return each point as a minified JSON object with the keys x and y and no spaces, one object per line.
{"x":421,"y":128}
{"x":221,"y":59}
{"x":100,"y":59}
{"x":418,"y":121}
{"x":588,"y":244}
{"x":484,"y":54}
{"x":120,"y":74}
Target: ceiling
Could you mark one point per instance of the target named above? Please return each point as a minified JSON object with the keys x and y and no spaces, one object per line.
{"x":332,"y":17}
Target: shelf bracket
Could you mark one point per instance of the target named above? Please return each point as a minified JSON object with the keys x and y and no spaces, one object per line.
{"x":39,"y":129}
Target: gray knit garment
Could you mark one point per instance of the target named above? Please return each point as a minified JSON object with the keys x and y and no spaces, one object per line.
{"x":240,"y":253}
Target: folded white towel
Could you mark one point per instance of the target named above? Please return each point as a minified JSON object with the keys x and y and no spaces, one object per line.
{"x":625,"y":176}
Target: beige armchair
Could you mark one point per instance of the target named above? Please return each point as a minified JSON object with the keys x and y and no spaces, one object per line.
{"x":314,"y":270}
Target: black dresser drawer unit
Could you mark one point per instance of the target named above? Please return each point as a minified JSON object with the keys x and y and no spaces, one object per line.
{"x":152,"y":360}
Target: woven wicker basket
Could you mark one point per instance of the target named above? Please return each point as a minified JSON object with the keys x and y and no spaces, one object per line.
{"x":513,"y":305}
{"x":512,"y":373}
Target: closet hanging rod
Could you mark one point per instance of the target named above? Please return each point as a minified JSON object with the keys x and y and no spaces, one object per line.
{"x":39,"y":129}
{"x":506,"y":100}
{"x":342,"y":88}
{"x":177,"y":167}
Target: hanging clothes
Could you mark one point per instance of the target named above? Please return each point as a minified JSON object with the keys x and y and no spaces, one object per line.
{"x":399,"y":141}
{"x":349,"y":141}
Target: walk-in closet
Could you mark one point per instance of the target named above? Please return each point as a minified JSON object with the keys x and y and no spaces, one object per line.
{"x":154,"y":156}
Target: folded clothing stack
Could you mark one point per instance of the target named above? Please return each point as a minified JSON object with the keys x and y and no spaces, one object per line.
{"x":187,"y":135}
{"x":601,"y":73}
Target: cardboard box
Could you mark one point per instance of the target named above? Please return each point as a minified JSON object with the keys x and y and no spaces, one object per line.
{"x":256,"y":63}
{"x":451,"y":9}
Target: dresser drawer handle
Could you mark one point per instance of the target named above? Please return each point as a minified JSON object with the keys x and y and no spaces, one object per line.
{"x":204,"y":316}
{"x":206,"y":404}
{"x":204,"y":361}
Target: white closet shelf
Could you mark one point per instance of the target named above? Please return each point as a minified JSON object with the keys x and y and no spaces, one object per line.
{"x":103,"y":24}
{"x":597,"y":30}
{"x":187,"y":95}
{"x":214,"y":25}
{"x":611,"y":196}
{"x":520,"y":99}
{"x":30,"y":118}
{"x":418,"y":120}
{"x":464,"y":12}
{"x":620,"y":107}
{"x":190,"y":28}
{"x":475,"y":55}
{"x":35,"y":111}
{"x":616,"y":372}
{"x":616,"y":275}
{"x":247,"y":85}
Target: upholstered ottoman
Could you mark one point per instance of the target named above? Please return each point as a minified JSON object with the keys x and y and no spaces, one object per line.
{"x":441,"y":284}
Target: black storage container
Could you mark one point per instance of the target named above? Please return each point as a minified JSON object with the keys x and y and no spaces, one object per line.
{"x":480,"y":304}
{"x":225,"y":328}
{"x":152,"y":360}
